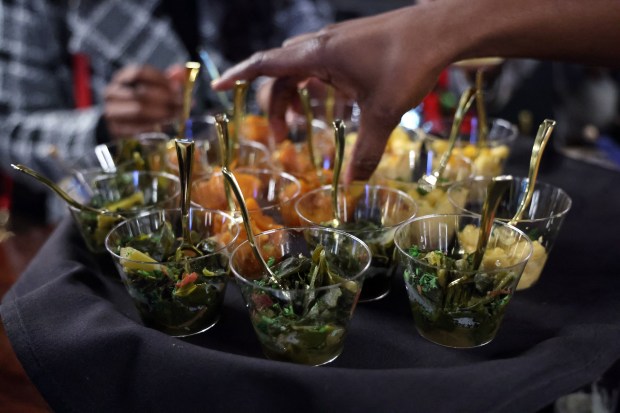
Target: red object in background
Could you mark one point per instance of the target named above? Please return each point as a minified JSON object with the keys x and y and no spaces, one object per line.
{"x":6,"y":188}
{"x":81,"y":81}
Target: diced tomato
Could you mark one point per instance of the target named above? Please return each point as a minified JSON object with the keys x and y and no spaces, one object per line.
{"x":187,"y":279}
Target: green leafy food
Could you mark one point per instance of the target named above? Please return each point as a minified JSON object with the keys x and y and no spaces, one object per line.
{"x":176,"y":297}
{"x":451,"y":303}
{"x":297,"y":319}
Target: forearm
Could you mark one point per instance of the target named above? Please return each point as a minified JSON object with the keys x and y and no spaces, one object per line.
{"x":573,"y":30}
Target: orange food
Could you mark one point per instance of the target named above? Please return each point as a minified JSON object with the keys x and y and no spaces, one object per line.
{"x":256,"y":128}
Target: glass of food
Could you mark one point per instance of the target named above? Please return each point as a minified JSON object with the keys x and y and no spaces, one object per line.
{"x":207,"y":153}
{"x":403,"y":164}
{"x":143,"y":152}
{"x":452,"y":303}
{"x":541,"y":221}
{"x":302,"y":312}
{"x":489,"y":159}
{"x":177,"y":295}
{"x":370,"y":212}
{"x":269,"y":196}
{"x":121,"y":195}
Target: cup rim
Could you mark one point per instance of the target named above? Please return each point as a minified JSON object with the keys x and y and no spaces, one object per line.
{"x":538,"y":183}
{"x":148,"y":208}
{"x":508,"y":140}
{"x":496,"y":222}
{"x":325,"y":188}
{"x":253,"y":284}
{"x":166,"y":212}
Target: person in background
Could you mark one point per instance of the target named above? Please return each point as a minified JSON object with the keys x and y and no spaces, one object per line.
{"x":389,"y":62}
{"x":77,"y":73}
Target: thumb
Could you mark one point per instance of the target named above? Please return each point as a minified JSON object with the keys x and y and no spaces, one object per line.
{"x":372,"y":137}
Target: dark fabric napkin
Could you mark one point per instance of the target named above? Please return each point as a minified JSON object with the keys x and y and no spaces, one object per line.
{"x":78,"y":336}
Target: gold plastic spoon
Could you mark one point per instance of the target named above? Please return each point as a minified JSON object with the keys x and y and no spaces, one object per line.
{"x":330,"y":103}
{"x":428,"y":181}
{"x":540,"y":142}
{"x":192,"y":69}
{"x":66,"y":197}
{"x":221,"y":125}
{"x":483,"y":127}
{"x":232,"y":181}
{"x":495,"y":191}
{"x":339,"y":131}
{"x":239,"y":94}
{"x":304,"y":97}
{"x":185,"y":155}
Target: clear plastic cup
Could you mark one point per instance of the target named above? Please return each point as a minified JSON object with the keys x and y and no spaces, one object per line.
{"x":369,"y":212}
{"x":177,"y":296}
{"x":541,"y":221}
{"x":453,"y":304}
{"x":304,"y":316}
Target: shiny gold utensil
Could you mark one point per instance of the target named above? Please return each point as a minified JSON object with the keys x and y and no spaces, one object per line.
{"x":192,"y":69}
{"x":540,"y":142}
{"x":232,"y":181}
{"x":304,"y":97}
{"x":239,"y":95}
{"x":428,"y":181}
{"x":339,"y":131}
{"x":495,"y":191}
{"x":185,"y":155}
{"x":66,"y":197}
{"x":330,"y":103}
{"x":221,"y":125}
{"x":483,"y":127}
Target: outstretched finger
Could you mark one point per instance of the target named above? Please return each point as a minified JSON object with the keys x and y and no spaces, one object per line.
{"x":301,"y":61}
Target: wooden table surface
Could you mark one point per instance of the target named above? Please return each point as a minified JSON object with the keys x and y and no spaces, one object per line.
{"x":17,"y":248}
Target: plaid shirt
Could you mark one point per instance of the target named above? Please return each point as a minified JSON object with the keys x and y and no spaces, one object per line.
{"x":39,"y":124}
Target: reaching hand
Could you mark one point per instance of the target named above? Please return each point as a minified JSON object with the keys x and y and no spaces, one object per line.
{"x":361,"y":59}
{"x":139,"y":99}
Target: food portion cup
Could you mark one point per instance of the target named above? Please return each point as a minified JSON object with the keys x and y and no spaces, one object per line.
{"x":404,"y":163}
{"x":302,"y":313}
{"x":369,"y":212}
{"x":453,"y":304}
{"x":123,"y":195}
{"x":269,"y":197}
{"x":541,"y":221}
{"x":174,"y":294}
{"x":207,"y":153}
{"x":488,"y":160}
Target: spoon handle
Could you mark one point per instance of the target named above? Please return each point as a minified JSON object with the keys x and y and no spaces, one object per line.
{"x":221,"y":125}
{"x":330,"y":103}
{"x":483,"y":127}
{"x":540,"y":142}
{"x":464,"y":104}
{"x":340,"y":142}
{"x":239,"y":95}
{"x":51,"y":185}
{"x":232,"y":181}
{"x":496,"y":189}
{"x":185,"y":155}
{"x":304,"y":97}
{"x":192,"y":69}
